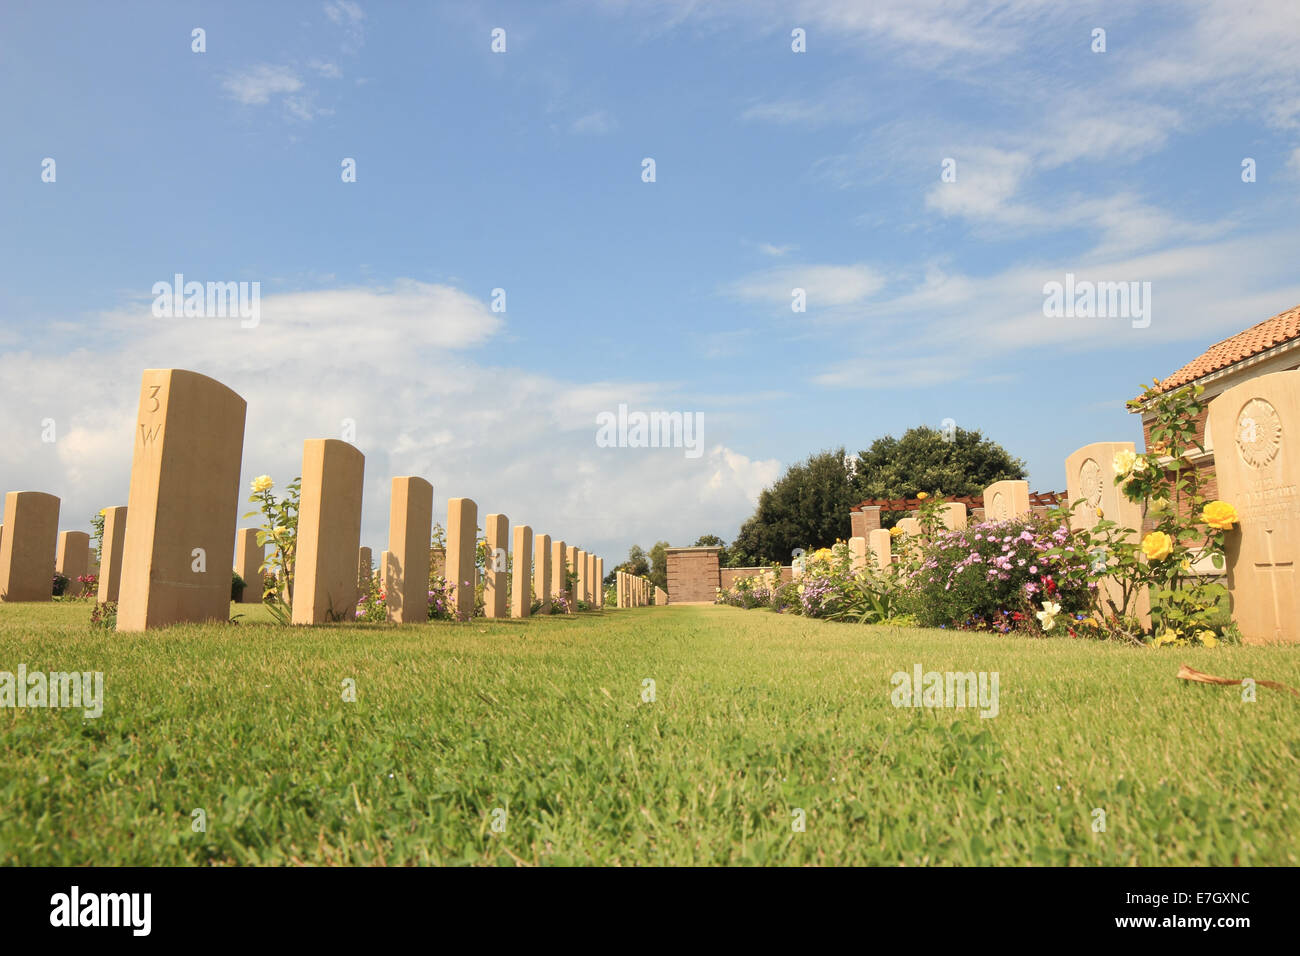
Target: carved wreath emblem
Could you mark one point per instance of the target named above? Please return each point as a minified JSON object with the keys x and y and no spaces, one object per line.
{"x":1090,"y":482}
{"x":999,"y":506}
{"x":1259,"y":433}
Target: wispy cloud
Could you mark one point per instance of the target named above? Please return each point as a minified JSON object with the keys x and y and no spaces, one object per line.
{"x":594,"y":123}
{"x":256,"y":85}
{"x":348,"y":15}
{"x":824,"y":285}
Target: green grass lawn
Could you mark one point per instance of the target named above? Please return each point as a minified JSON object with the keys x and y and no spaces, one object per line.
{"x":756,"y":715}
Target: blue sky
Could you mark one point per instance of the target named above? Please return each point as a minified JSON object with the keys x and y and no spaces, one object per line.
{"x":522,"y":171}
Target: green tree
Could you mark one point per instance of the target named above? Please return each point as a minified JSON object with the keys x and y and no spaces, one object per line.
{"x":807,"y":507}
{"x":659,"y":564}
{"x":713,"y":541}
{"x":924,"y":460}
{"x":637,"y":562}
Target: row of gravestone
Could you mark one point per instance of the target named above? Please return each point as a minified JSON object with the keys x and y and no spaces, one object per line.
{"x":169,"y":562}
{"x":633,"y":590}
{"x":1257,"y":467}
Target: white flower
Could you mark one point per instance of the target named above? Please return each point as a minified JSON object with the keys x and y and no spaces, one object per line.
{"x":1123,"y":462}
{"x":1047,"y":616}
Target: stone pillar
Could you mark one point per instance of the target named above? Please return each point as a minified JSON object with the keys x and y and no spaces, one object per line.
{"x":580,"y":567}
{"x":542,"y":572}
{"x":410,"y":525}
{"x":110,"y":564}
{"x":249,"y":556}
{"x":881,"y":548}
{"x":462,"y":525}
{"x":73,"y":560}
{"x":521,"y":595}
{"x":600,"y":583}
{"x":870,"y":520}
{"x":27,"y":550}
{"x":661,"y":596}
{"x":496,"y":597}
{"x":184,"y":501}
{"x":385,"y":559}
{"x":857,"y":554}
{"x":558,"y":550}
{"x":329,"y":532}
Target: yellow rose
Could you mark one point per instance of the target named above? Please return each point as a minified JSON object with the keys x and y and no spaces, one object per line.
{"x":1219,"y":514}
{"x":1139,"y":465}
{"x":262,"y":483}
{"x":1100,"y":513}
{"x":1123,"y":462}
{"x":895,"y":531}
{"x":921,"y":496}
{"x":1157,"y":546}
{"x":1207,"y":638}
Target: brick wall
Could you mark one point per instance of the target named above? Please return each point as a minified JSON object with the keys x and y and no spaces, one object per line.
{"x":693,"y":575}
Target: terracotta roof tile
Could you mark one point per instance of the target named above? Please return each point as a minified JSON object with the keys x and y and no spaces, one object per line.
{"x":1256,"y":339}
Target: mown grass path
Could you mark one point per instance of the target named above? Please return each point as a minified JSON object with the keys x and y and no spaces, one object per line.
{"x":755,"y":715}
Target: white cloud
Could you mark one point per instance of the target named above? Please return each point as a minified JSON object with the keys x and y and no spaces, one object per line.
{"x":594,"y":123}
{"x":256,"y":85}
{"x":397,"y":361}
{"x":965,"y":328}
{"x":825,"y":285}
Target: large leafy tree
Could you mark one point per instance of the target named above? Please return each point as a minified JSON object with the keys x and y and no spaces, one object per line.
{"x":807,"y":507}
{"x":659,"y":564}
{"x":925,"y":460}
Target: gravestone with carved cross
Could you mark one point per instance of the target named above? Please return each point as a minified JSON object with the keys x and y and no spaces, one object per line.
{"x":1255,"y":430}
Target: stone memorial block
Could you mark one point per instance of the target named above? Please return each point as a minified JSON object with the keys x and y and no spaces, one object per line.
{"x":1255,"y":427}
{"x":600,"y":583}
{"x":521,"y":592}
{"x":952,"y":515}
{"x":558,"y":550}
{"x":542,"y":572}
{"x":496,"y":583}
{"x":73,"y":560}
{"x":1005,"y":500}
{"x":110,"y":563}
{"x":661,"y":596}
{"x":580,"y":569}
{"x":911,"y":527}
{"x":365,"y":571}
{"x":857,"y":554}
{"x":1090,"y":476}
{"x":249,"y":556}
{"x":592,"y":587}
{"x":329,"y":532}
{"x":881,"y":548}
{"x":385,"y":560}
{"x":462,"y":527}
{"x":184,"y":502}
{"x":27,"y":550}
{"x":410,"y":524}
